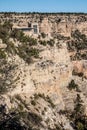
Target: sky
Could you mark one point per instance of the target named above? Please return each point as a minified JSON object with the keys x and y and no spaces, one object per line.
{"x":43,"y":6}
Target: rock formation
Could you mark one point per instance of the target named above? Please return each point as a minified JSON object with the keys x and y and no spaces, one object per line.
{"x":43,"y":81}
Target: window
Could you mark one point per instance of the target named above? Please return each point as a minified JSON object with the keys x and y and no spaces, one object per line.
{"x":35,"y":29}
{"x":29,"y":25}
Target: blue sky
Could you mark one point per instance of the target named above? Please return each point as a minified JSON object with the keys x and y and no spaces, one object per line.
{"x":43,"y":5}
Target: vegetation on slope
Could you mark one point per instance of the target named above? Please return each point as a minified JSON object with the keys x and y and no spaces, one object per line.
{"x":78,"y":116}
{"x":25,"y":50}
{"x":78,"y":44}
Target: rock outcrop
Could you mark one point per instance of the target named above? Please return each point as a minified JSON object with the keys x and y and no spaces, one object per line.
{"x":49,"y":24}
{"x":43,"y":81}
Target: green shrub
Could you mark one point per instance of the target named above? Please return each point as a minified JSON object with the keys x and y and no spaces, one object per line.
{"x":3,"y":88}
{"x":48,"y":99}
{"x":5,"y":30}
{"x":2,"y":54}
{"x":43,"y":35}
{"x":78,"y":42}
{"x":78,"y":105}
{"x":72,"y":85}
{"x":34,"y":118}
{"x":80,"y":74}
{"x":11,"y":48}
{"x":33,"y":102}
{"x":32,"y":41}
{"x":17,"y":96}
{"x":36,"y":96}
{"x":44,"y":43}
{"x":78,"y":115}
{"x":79,"y":126}
{"x":51,"y":42}
{"x":27,"y":53}
{"x":17,"y":34}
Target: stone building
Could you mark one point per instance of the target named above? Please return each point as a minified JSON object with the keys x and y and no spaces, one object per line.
{"x":31,"y":29}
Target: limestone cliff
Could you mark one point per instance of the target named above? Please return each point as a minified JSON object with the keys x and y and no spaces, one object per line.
{"x":43,"y":81}
{"x":50,"y":24}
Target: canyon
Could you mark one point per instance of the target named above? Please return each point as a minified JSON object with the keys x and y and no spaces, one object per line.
{"x":43,"y":75}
